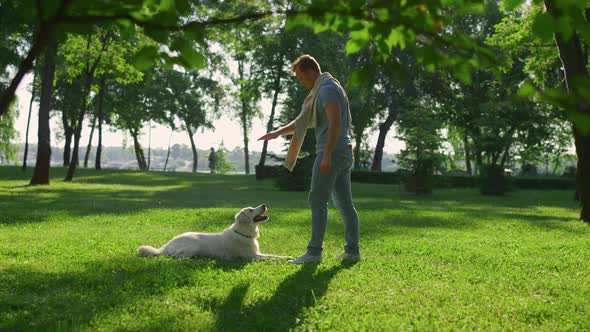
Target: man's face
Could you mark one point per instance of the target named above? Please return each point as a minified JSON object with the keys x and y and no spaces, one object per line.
{"x":304,"y":77}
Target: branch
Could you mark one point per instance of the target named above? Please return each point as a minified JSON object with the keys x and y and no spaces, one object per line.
{"x":41,"y":38}
{"x":187,"y":26}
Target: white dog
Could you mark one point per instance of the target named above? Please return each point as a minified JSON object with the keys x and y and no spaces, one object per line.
{"x":238,"y":240}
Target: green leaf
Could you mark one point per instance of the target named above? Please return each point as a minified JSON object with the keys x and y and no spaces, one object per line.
{"x":183,"y":7}
{"x":544,"y":26}
{"x":126,"y":27}
{"x":471,"y":8}
{"x":191,"y":58}
{"x":355,"y":45}
{"x":298,"y":21}
{"x":357,"y":77}
{"x":396,"y":37}
{"x":145,"y":58}
{"x":564,"y":26}
{"x":62,"y":30}
{"x":27,"y":9}
{"x":358,"y":40}
{"x":168,"y":6}
{"x":463,"y":72}
{"x":527,"y":89}
{"x":581,"y":121}
{"x":196,"y":34}
{"x":50,"y":8}
{"x":160,"y":36}
{"x":584,"y":31}
{"x":510,"y":5}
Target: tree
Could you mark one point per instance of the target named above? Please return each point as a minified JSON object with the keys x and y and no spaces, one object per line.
{"x":223,"y":165}
{"x":240,"y":44}
{"x":575,"y":60}
{"x":33,"y":89}
{"x":66,"y":100}
{"x":41,"y":172}
{"x":92,"y":53}
{"x":193,"y":98}
{"x":420,"y":129}
{"x":131,"y":104}
{"x":566,"y":23}
{"x":7,"y":135}
{"x":272,"y":58}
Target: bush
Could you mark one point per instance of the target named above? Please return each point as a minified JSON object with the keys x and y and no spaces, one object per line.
{"x":375,"y":177}
{"x":299,"y":179}
{"x":420,"y":180}
{"x":494,"y":181}
{"x":545,"y":182}
{"x":570,"y":171}
{"x":266,"y":171}
{"x":456,"y":181}
{"x":528,"y":169}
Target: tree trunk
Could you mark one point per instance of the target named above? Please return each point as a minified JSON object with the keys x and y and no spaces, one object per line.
{"x":574,"y":65}
{"x":149,"y":146}
{"x":42,"y":166}
{"x":505,"y":157}
{"x":68,"y":134}
{"x":269,"y":124}
{"x":478,"y":162}
{"x":467,"y":154}
{"x":138,"y":151}
{"x":24,"y":167}
{"x":244,"y":115}
{"x":245,"y":131}
{"x":167,"y":158}
{"x":383,"y":130}
{"x":193,"y":147}
{"x":89,"y":147}
{"x":357,"y":152}
{"x":168,"y":153}
{"x":78,"y":130}
{"x":97,"y":164}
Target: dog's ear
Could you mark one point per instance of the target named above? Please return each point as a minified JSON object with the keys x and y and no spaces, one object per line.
{"x":242,"y":217}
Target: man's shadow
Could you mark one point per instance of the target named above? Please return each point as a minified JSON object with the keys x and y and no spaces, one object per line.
{"x":279,"y":313}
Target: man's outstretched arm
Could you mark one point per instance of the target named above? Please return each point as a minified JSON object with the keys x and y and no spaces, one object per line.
{"x":288,"y":129}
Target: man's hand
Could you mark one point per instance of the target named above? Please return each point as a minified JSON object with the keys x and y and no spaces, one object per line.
{"x":269,"y":136}
{"x":326,"y":163}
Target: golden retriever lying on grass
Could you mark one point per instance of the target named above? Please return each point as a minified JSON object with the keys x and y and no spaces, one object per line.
{"x":238,"y":240}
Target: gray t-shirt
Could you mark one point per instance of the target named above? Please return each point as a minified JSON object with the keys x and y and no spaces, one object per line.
{"x":331,"y":92}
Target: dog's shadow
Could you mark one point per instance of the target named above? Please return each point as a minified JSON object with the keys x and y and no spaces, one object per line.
{"x":280,"y":312}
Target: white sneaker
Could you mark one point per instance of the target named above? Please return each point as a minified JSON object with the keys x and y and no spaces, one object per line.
{"x":306,"y":258}
{"x":349,"y":257}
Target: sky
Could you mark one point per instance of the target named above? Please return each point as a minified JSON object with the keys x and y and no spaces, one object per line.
{"x":226,"y":130}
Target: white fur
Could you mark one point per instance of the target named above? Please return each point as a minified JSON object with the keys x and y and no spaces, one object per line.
{"x":238,"y":240}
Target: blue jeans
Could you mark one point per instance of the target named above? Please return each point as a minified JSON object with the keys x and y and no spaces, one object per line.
{"x":337,"y":184}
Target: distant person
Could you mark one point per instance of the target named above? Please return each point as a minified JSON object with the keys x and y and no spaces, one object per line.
{"x":327,"y":109}
{"x":212,"y":160}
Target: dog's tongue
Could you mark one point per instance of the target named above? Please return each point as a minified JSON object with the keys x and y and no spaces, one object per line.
{"x":261,"y":217}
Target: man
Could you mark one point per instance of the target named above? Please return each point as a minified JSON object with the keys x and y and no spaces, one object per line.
{"x":212,"y":160}
{"x":327,"y":109}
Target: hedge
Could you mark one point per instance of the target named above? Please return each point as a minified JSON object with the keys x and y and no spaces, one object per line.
{"x":440,"y":181}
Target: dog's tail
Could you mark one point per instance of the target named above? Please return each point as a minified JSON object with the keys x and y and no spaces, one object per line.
{"x":146,"y":251}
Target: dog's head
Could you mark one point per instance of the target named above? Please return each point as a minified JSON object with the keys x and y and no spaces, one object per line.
{"x":254,"y":215}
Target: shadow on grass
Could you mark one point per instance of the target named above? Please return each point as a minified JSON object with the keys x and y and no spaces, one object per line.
{"x":282,"y":311}
{"x":47,"y":301}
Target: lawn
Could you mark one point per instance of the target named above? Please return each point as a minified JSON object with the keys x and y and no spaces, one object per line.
{"x":453,"y":260}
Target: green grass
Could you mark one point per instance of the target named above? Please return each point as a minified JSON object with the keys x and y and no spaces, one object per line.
{"x":454,"y":260}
